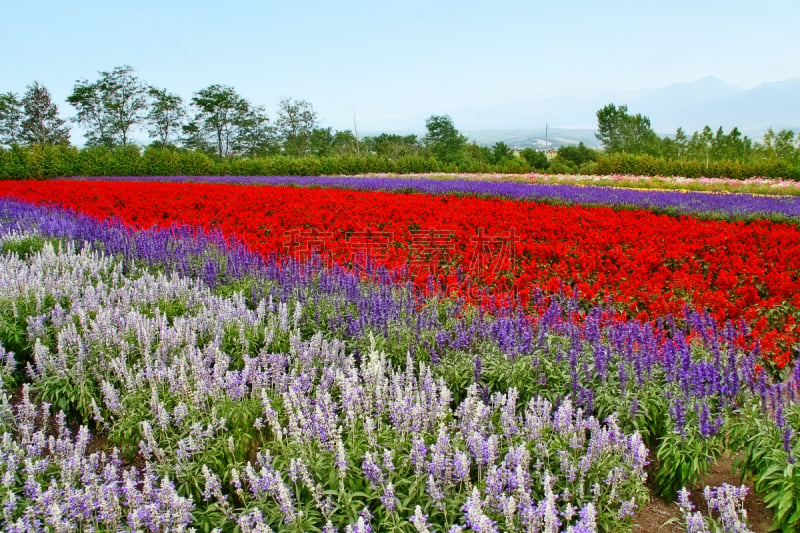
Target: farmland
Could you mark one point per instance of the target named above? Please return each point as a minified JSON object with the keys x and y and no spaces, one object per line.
{"x":384,"y":354}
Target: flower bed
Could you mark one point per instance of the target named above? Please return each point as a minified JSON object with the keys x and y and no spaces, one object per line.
{"x":250,"y":406}
{"x":648,"y":265}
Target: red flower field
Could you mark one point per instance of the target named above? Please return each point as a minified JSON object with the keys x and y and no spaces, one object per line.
{"x":648,"y":264}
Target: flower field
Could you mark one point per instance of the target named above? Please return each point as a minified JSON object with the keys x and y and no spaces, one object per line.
{"x":320,"y":358}
{"x":649,"y":265}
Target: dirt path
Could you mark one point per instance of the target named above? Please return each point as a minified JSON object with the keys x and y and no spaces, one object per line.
{"x":652,"y":518}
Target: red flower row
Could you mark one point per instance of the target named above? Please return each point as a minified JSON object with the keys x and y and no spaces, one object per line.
{"x":649,"y":264}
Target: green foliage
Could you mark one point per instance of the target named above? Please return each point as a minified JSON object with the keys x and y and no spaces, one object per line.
{"x":25,"y":247}
{"x":110,"y":106}
{"x":166,"y":115}
{"x":684,"y":459}
{"x":535,"y":158}
{"x":171,"y":162}
{"x":622,"y":132}
{"x":501,"y":152}
{"x":579,"y":155}
{"x":393,"y":146}
{"x":513,"y":165}
{"x":443,"y":139}
{"x":10,"y":119}
{"x":781,"y":146}
{"x":706,"y":153}
{"x":295,"y":124}
{"x":48,"y":161}
{"x":76,"y":396}
{"x":13,"y":331}
{"x":41,"y":123}
{"x":561,"y":166}
{"x":32,"y":120}
{"x":219,"y":109}
{"x":646,"y":165}
{"x":765,"y":454}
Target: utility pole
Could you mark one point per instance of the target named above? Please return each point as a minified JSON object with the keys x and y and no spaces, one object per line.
{"x":546,"y":144}
{"x":355,"y":132}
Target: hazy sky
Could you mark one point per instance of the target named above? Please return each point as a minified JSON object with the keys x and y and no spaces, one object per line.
{"x":395,"y":62}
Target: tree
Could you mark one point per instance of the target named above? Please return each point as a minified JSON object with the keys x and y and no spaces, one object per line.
{"x":254,"y":134}
{"x":784,"y":145}
{"x":681,"y":143}
{"x":701,"y":144}
{"x":738,"y":146}
{"x":295,"y":123}
{"x":320,"y":142}
{"x":392,"y":145}
{"x":501,"y":152}
{"x":10,"y":119}
{"x":579,"y":154}
{"x":443,"y":139}
{"x":535,"y":158}
{"x":41,"y":123}
{"x":346,"y":143}
{"x":166,"y":115}
{"x":194,"y":138}
{"x":610,"y":126}
{"x":324,"y":142}
{"x":475,"y":153}
{"x":87,"y":100}
{"x":110,"y":106}
{"x":621,"y":132}
{"x":220,"y":115}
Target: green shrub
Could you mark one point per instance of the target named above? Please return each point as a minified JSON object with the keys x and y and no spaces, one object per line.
{"x":647,"y":165}
{"x":41,"y":162}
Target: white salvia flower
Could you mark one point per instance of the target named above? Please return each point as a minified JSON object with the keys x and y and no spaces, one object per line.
{"x":283,"y":316}
{"x":420,"y":520}
{"x":298,"y":315}
{"x":552,"y":524}
{"x":509,"y":509}
{"x":213,"y":487}
{"x":341,"y":458}
{"x":683,"y":500}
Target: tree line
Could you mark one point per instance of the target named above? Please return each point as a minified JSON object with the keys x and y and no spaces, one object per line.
{"x":622,"y":132}
{"x":222,"y":124}
{"x":216,"y":121}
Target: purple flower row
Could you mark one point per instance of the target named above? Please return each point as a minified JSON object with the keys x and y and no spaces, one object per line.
{"x":600,"y":356}
{"x":596,"y":351}
{"x":66,"y":488}
{"x":325,"y":414}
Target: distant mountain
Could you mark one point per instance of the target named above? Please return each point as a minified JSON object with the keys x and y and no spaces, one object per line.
{"x":687,"y":105}
{"x":775,"y":105}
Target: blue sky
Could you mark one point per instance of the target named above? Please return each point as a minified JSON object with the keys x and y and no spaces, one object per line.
{"x":395,"y":63}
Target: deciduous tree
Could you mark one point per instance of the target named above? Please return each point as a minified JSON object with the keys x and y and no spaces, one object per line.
{"x":255,"y":136}
{"x":295,"y":123}
{"x":41,"y":123}
{"x":501,"y":152}
{"x":166,"y":116}
{"x":392,"y":145}
{"x":219,"y":113}
{"x":535,"y":158}
{"x":580,"y":154}
{"x":110,"y":106}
